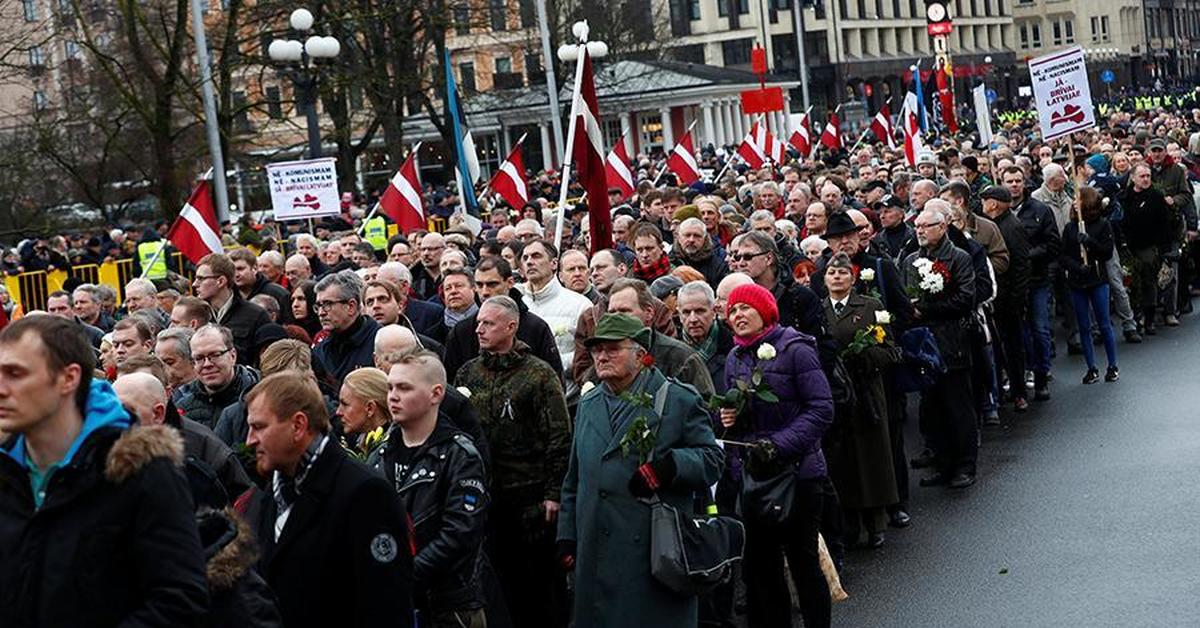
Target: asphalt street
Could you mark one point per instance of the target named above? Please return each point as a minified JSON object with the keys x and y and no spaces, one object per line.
{"x":1086,"y":513}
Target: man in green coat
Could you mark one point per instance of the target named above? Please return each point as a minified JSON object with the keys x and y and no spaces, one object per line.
{"x":523,"y":413}
{"x":604,"y":524}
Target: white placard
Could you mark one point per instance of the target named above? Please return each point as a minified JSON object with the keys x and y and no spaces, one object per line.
{"x":304,"y":189}
{"x":1061,"y":93}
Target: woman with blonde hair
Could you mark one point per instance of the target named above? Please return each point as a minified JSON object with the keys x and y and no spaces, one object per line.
{"x":363,"y":409}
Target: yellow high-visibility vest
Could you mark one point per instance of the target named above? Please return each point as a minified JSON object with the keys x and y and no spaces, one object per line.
{"x":146,"y":252}
{"x":376,"y":233}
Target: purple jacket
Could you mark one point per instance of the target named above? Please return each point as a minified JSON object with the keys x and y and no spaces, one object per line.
{"x":805,"y":408}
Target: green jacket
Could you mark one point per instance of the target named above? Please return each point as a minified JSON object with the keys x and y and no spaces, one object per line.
{"x":523,"y":412}
{"x":613,"y":584}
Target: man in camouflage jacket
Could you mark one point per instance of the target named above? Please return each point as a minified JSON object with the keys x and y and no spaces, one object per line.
{"x":520,"y":402}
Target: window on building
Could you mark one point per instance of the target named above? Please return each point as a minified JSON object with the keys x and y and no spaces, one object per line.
{"x":462,"y":20}
{"x":681,"y":21}
{"x":499,"y":14}
{"x":1104,"y":36}
{"x":1056,"y":32}
{"x":694,"y":9}
{"x":29,"y":8}
{"x":533,"y":67}
{"x":723,"y":8}
{"x":528,"y":14}
{"x":504,"y":65}
{"x":1062,"y":31}
{"x":1035,"y":35}
{"x":40,"y":101}
{"x":736,"y":51}
{"x":36,"y":58}
{"x":743,"y":7}
{"x":274,"y":103}
{"x":241,"y":113}
{"x":466,"y":77}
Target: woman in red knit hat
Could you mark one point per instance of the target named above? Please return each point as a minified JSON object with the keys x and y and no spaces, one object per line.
{"x":785,"y":437}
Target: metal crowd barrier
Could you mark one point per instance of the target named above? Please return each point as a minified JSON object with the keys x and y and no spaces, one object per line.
{"x":32,"y":289}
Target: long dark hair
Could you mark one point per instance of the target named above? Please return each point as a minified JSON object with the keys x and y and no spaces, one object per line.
{"x":1091,"y":203}
{"x":311,"y":323}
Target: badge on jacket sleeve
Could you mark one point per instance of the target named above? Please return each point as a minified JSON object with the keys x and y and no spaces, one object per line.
{"x":383,"y":548}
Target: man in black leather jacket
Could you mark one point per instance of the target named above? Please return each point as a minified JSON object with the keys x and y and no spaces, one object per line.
{"x":439,"y":475}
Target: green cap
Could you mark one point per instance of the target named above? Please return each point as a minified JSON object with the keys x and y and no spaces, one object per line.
{"x":614,"y":327}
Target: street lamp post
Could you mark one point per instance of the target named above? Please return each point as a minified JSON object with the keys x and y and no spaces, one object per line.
{"x":301,"y":63}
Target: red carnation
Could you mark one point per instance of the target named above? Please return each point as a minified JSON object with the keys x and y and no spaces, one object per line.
{"x":647,"y":360}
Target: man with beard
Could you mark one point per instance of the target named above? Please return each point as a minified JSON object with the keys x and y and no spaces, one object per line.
{"x":695,"y":248}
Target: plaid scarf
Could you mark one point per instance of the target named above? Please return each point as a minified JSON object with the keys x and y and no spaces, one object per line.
{"x":653,"y":270}
{"x":708,"y":346}
{"x":286,"y":489}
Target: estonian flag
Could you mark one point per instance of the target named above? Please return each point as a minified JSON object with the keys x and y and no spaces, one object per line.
{"x":466,"y":162}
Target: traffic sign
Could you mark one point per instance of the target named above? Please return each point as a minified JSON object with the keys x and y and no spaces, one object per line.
{"x":991,"y":96}
{"x":1108,"y":76}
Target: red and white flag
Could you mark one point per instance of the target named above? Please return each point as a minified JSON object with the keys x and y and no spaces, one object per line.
{"x":910,"y":126}
{"x":774,"y":148}
{"x":588,"y":153}
{"x":195,"y":232}
{"x":616,"y":170}
{"x":801,"y":138}
{"x":402,"y":198}
{"x":881,"y":126}
{"x":831,"y":137}
{"x":753,"y":149}
{"x":510,"y":182}
{"x":683,"y":161}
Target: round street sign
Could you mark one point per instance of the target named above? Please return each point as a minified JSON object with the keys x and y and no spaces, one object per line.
{"x":1108,"y":76}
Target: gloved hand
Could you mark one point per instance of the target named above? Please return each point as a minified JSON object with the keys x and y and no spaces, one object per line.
{"x":1084,"y":238}
{"x":652,"y":476}
{"x":763,"y":459}
{"x":566,"y":554}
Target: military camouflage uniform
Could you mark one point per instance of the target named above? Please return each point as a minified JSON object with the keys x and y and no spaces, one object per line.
{"x":520,"y":402}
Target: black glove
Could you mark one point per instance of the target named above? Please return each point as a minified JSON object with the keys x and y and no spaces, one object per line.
{"x":763,"y":459}
{"x":652,"y":476}
{"x":1084,"y":238}
{"x":566,"y":554}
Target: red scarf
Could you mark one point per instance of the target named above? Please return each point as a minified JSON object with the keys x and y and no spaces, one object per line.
{"x":653,"y":270}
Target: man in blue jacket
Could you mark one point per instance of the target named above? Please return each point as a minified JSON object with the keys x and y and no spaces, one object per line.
{"x":96,"y":524}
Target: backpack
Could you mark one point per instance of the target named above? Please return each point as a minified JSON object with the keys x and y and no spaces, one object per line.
{"x":921,"y":362}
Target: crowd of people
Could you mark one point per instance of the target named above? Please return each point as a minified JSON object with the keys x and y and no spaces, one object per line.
{"x":460,"y":429}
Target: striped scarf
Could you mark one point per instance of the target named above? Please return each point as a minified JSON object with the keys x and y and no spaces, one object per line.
{"x":286,"y":489}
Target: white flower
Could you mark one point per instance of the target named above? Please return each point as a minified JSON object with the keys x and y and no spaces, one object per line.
{"x":466,"y":392}
{"x":923,"y":264}
{"x":766,"y":352}
{"x":883,"y":317}
{"x":587,"y":386}
{"x":867,"y":274}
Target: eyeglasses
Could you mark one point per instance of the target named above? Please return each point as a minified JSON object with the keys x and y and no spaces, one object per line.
{"x":201,"y":359}
{"x":745,"y":257}
{"x":929,"y":225}
{"x":325,"y":305}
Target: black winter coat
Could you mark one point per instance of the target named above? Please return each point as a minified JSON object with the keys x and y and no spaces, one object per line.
{"x":238,"y":596}
{"x":708,"y":262}
{"x":344,"y":351}
{"x":244,"y":319}
{"x":427,"y":318}
{"x":343,"y":558}
{"x":195,"y":402}
{"x":262,"y":285}
{"x":1044,"y":239}
{"x":1012,"y":287}
{"x":444,"y":490}
{"x":1099,"y":246}
{"x":462,"y":345}
{"x":1147,"y":219}
{"x":887,"y":283}
{"x":114,"y":543}
{"x":947,"y":313}
{"x":800,"y":308}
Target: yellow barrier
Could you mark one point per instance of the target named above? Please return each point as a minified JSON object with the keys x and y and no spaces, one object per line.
{"x":32,"y":289}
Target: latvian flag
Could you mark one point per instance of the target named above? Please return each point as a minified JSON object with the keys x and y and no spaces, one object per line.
{"x":683,"y":161}
{"x":195,"y":232}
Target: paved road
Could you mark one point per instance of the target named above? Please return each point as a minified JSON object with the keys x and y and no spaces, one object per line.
{"x":1087,"y":512}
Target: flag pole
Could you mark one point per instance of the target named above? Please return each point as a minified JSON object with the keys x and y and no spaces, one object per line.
{"x":363,"y":227}
{"x":729,"y":163}
{"x":569,"y":149}
{"x":665,"y":168}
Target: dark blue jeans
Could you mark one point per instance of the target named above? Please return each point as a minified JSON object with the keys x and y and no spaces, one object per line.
{"x":1097,"y":298}
{"x":1037,"y":331}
